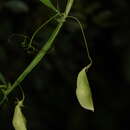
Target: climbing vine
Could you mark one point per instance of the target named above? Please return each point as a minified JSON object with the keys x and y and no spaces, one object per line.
{"x":83,"y":91}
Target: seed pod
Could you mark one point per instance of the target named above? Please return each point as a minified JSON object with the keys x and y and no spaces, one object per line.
{"x":83,"y":91}
{"x":19,"y":121}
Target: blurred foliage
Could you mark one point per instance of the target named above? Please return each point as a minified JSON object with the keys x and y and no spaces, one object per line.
{"x":50,"y":101}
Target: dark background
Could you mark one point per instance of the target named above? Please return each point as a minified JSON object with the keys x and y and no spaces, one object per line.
{"x":50,"y":102}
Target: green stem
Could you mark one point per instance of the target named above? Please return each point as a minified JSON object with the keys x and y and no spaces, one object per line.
{"x":42,"y":52}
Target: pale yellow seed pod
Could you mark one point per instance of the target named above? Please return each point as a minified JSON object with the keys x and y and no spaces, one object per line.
{"x":19,"y":121}
{"x":83,"y":91}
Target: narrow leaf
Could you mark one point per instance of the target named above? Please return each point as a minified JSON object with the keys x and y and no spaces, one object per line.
{"x":2,"y":79}
{"x":19,"y":121}
{"x":83,"y":91}
{"x":3,"y":86}
{"x":49,"y":4}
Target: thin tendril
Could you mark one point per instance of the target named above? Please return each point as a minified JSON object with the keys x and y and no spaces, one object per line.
{"x":23,"y":95}
{"x":85,"y":41}
{"x":34,"y":34}
{"x":20,"y":35}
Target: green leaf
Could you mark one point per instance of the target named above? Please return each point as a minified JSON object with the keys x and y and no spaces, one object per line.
{"x":49,"y":4}
{"x":83,"y":91}
{"x":2,"y":79}
{"x":3,"y":86}
{"x":19,"y":121}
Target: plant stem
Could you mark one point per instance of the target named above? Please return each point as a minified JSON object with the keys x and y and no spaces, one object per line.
{"x":43,"y":50}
